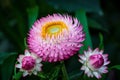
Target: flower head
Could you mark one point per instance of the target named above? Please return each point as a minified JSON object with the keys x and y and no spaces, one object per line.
{"x":94,"y":62}
{"x":29,"y":63}
{"x":55,"y":37}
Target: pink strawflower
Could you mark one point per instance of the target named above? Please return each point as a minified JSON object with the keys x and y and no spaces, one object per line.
{"x":94,"y":62}
{"x":55,"y":37}
{"x":29,"y":63}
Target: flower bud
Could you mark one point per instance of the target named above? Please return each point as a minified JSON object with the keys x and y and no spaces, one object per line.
{"x":28,"y":63}
{"x":96,"y":60}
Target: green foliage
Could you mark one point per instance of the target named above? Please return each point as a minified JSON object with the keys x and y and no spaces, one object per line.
{"x":7,"y":66}
{"x":81,"y":15}
{"x":32,"y":15}
{"x":101,"y":45}
{"x":17,"y":17}
{"x":73,"y":5}
{"x":115,"y":67}
{"x":50,"y":71}
{"x":17,"y":76}
{"x":95,"y":25}
{"x":75,"y":74}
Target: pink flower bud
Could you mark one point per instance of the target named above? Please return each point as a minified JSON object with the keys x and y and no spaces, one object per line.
{"x":96,"y":60}
{"x":28,"y":63}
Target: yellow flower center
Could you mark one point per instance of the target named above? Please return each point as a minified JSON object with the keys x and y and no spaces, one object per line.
{"x":53,"y":29}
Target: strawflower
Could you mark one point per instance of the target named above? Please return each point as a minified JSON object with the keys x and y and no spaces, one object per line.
{"x":55,"y":37}
{"x":29,"y":63}
{"x":94,"y":62}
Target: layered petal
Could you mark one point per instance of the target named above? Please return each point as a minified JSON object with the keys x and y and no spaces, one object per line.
{"x":94,"y":62}
{"x":55,"y":37}
{"x":29,"y":63}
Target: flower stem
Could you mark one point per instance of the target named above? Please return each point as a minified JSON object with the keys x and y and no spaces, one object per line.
{"x":64,"y":71}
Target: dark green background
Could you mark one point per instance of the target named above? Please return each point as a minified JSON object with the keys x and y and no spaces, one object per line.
{"x":17,"y":16}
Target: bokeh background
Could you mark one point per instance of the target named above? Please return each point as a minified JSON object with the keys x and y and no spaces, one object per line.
{"x":17,"y":16}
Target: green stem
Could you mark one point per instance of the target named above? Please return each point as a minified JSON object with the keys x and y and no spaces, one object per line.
{"x":65,"y":75}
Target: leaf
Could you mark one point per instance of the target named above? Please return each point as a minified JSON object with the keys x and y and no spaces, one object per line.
{"x":32,"y":15}
{"x":18,"y":76}
{"x":6,"y":68}
{"x":50,"y":72}
{"x":73,"y":67}
{"x":73,"y":5}
{"x":75,"y":74}
{"x":94,"y":24}
{"x":115,"y":67}
{"x":25,"y":43}
{"x":3,"y":56}
{"x":101,"y":45}
{"x":10,"y":33}
{"x":54,"y":74}
{"x":42,"y":75}
{"x":81,"y":16}
{"x":64,"y":71}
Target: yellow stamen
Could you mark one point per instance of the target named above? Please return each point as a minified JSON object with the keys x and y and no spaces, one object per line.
{"x":53,"y":29}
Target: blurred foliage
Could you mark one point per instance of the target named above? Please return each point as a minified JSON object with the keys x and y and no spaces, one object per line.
{"x":17,"y":16}
{"x":74,"y":5}
{"x":81,"y":16}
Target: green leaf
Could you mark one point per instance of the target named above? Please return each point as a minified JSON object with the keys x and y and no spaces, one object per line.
{"x":73,"y":5}
{"x":115,"y":67}
{"x":64,"y":71}
{"x":32,"y":15}
{"x":25,"y":43}
{"x":50,"y":72}
{"x":75,"y":74}
{"x":95,"y":25}
{"x":101,"y":45}
{"x":81,"y":16}
{"x":3,"y":56}
{"x":10,"y":33}
{"x":55,"y":72}
{"x":42,"y":75}
{"x":73,"y":67}
{"x":18,"y":76}
{"x":6,"y":68}
{"x":21,"y":28}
